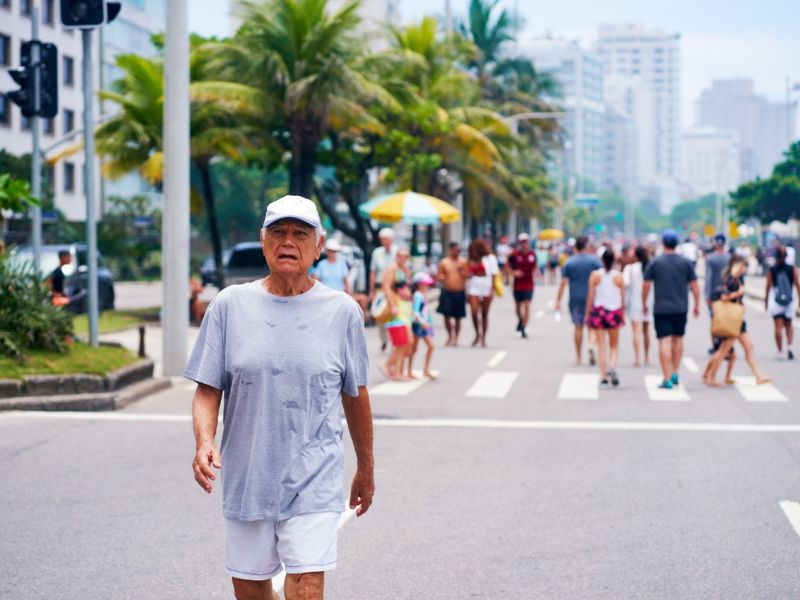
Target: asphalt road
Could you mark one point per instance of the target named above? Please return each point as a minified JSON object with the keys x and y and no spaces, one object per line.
{"x":493,"y":482}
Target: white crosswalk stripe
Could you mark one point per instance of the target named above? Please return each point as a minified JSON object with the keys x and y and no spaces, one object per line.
{"x":657,"y":394}
{"x":492,"y":384}
{"x":579,"y":386}
{"x":400,"y":388}
{"x":690,"y":365}
{"x":752,"y":392}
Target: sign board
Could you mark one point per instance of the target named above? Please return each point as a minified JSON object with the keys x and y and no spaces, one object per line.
{"x":586,"y":200}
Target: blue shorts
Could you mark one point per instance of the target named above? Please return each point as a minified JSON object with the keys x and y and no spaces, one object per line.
{"x":419,"y":330}
{"x":523,"y":295}
{"x":577,"y":312}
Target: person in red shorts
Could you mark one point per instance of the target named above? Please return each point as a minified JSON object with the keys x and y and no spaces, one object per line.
{"x":522,"y":265}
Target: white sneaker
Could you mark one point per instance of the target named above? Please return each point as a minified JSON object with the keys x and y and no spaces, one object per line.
{"x":780,"y":356}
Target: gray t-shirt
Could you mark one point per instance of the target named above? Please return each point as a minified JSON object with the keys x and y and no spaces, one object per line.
{"x":282,"y":363}
{"x":577,"y":269}
{"x":715,"y":264}
{"x":670,"y":274}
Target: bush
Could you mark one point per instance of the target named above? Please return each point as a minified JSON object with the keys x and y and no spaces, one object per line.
{"x":28,"y":319}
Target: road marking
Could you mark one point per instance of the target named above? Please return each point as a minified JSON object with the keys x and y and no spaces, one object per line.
{"x":492,"y":384}
{"x":538,"y":314}
{"x":657,"y":394}
{"x":579,"y":386}
{"x":397,"y":388}
{"x":551,"y":304}
{"x":753,"y":392}
{"x":497,"y":358}
{"x":455,"y":423}
{"x":279,"y":580}
{"x":690,"y":365}
{"x":792,"y":512}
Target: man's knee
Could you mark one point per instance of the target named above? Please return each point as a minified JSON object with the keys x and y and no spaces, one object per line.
{"x":245,"y":589}
{"x":305,"y":586}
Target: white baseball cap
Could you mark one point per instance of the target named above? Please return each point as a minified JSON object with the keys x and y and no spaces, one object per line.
{"x":386,"y":232}
{"x":292,"y":207}
{"x":522,"y":237}
{"x":333,"y":245}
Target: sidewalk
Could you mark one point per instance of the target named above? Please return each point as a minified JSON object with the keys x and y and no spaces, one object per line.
{"x":153,"y":342}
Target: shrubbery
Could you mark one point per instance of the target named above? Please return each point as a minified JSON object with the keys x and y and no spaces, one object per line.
{"x":28,"y":319}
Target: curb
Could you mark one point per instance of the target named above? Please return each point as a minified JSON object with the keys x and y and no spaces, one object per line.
{"x":103,"y":401}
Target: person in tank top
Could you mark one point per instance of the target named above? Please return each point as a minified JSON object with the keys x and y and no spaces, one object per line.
{"x":605,"y":307}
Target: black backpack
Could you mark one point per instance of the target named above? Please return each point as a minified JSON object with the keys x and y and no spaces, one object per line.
{"x":783,"y":288}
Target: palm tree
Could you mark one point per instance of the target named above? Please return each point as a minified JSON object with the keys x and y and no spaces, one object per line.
{"x":297,"y":62}
{"x":132,"y":140}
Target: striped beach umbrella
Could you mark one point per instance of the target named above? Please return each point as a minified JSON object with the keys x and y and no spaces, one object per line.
{"x":409,"y":207}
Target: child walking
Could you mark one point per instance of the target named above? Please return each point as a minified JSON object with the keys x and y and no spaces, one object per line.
{"x":401,"y":325}
{"x":422,"y":322}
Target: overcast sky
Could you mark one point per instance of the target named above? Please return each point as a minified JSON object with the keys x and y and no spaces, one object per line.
{"x":759,"y":39}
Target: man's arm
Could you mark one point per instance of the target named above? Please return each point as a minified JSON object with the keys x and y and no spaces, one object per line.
{"x":205,"y":414}
{"x":358,"y":413}
{"x":696,"y":293}
{"x":561,"y":287}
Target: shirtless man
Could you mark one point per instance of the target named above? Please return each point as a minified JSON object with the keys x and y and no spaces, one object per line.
{"x":453,"y":274}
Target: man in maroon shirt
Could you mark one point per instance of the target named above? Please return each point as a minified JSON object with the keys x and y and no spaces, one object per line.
{"x":522,"y":265}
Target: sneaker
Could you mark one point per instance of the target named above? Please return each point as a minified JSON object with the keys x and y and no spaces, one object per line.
{"x":789,"y":355}
{"x":604,"y":384}
{"x":591,"y":357}
{"x":674,"y":379}
{"x":524,"y":334}
{"x":614,"y":379}
{"x":779,"y":356}
{"x":666,"y":384}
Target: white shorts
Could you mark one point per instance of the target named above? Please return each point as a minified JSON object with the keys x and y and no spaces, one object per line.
{"x":304,"y":544}
{"x":776,"y":310}
{"x":479,"y":285}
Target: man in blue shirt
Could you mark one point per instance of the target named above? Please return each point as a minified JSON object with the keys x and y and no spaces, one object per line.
{"x":576,"y":272}
{"x":332,"y":271}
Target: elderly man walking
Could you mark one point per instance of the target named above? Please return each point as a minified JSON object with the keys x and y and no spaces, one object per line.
{"x":286,"y":353}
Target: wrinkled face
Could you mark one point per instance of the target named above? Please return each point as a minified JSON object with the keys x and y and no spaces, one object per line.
{"x":386,"y":241}
{"x":290,"y":247}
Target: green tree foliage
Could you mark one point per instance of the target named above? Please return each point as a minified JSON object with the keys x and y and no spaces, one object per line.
{"x":15,"y":195}
{"x":692,"y":215}
{"x":776,"y":198}
{"x":28,"y":320}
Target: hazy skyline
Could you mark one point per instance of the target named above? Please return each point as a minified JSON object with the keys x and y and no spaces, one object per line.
{"x":718,"y":40}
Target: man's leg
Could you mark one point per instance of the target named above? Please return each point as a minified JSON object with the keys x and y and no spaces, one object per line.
{"x":525,"y":310}
{"x":448,"y":325}
{"x":244,"y":589}
{"x":665,"y":355}
{"x":578,"y":342}
{"x":779,"y":333}
{"x":456,"y":331}
{"x":677,"y":352}
{"x":304,"y":586}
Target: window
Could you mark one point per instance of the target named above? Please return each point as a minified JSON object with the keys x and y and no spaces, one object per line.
{"x":5,"y":50}
{"x":69,"y":120}
{"x":49,"y":126}
{"x":49,"y":176}
{"x":49,"y":16}
{"x":25,"y":7}
{"x":5,"y":110}
{"x":69,"y":177}
{"x":68,"y":66}
{"x":25,"y":123}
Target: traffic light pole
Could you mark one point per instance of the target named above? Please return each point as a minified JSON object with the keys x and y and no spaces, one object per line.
{"x":175,"y":230}
{"x":88,"y":185}
{"x":36,"y":157}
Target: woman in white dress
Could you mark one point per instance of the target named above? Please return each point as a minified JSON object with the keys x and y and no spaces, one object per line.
{"x":633,"y":278}
{"x":480,"y":286}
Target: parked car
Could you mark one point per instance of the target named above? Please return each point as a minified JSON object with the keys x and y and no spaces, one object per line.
{"x":75,"y":272}
{"x":242,"y":263}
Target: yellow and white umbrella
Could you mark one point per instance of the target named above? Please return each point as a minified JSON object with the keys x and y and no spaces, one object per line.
{"x":410,"y":207}
{"x":551,"y":234}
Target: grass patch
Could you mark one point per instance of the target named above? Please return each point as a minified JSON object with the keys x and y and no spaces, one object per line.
{"x":113,"y":320}
{"x":80,"y":359}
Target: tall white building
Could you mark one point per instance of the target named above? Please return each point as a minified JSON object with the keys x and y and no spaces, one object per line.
{"x":765,"y":128}
{"x":129,"y":33}
{"x":711,"y":161}
{"x":620,"y":165}
{"x":579,"y":73}
{"x":642,"y":79}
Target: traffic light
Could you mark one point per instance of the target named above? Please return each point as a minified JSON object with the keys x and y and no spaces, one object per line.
{"x":24,"y":77}
{"x":48,"y":80}
{"x":83,"y":14}
{"x":88,"y":14}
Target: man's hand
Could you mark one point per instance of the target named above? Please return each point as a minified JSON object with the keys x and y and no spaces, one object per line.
{"x":518,"y":273}
{"x":362,"y":491}
{"x":696,"y":311}
{"x":204,"y":458}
